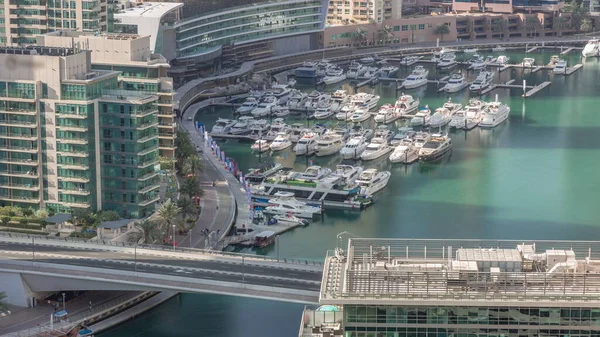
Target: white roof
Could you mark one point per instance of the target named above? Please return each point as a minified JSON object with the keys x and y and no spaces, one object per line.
{"x":149,"y":10}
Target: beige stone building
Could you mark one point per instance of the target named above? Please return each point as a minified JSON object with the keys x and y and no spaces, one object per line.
{"x":342,"y":12}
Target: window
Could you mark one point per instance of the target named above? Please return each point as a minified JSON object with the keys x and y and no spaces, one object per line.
{"x":404,"y":28}
{"x":396,"y":28}
{"x":421,"y":26}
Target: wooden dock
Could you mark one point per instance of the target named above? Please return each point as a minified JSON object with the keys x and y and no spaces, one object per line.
{"x":504,"y":67}
{"x":228,"y":136}
{"x":506,"y":85}
{"x":568,"y":50}
{"x":538,"y":68}
{"x":531,"y":50}
{"x":536,"y":89}
{"x":573,"y":69}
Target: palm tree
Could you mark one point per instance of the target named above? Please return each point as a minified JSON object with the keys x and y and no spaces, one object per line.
{"x":498,"y":26}
{"x":191,"y":187}
{"x":441,"y":30}
{"x":559,"y":23}
{"x":188,"y":209}
{"x":412,"y":33}
{"x":146,"y":232}
{"x":166,"y":214}
{"x":586,"y":25}
{"x":192,"y":165}
{"x":387,"y":33}
{"x":3,"y":305}
{"x":531,"y":24}
{"x":361,"y":35}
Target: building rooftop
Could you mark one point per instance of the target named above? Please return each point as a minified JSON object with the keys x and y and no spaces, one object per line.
{"x":148,"y":9}
{"x":110,"y":36}
{"x":37,"y":50}
{"x":467,"y":272}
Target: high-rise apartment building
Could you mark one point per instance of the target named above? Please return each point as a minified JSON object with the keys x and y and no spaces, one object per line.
{"x":23,"y":20}
{"x":70,"y":137}
{"x":361,"y":11}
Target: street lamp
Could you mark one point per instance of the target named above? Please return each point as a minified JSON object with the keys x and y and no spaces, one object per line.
{"x":190,"y":238}
{"x":173,"y":238}
{"x":64,"y":295}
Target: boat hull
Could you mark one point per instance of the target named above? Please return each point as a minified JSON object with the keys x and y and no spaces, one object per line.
{"x":456,"y":88}
{"x":436,"y":155}
{"x":414,"y":85}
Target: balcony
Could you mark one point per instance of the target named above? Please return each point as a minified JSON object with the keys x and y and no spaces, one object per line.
{"x":166,"y":114}
{"x":79,"y":191}
{"x":167,"y":135}
{"x":16,"y":111}
{"x":24,"y":187}
{"x":144,"y":113}
{"x":20,"y":161}
{"x":74,"y":116}
{"x":73,"y":166}
{"x":20,"y":174}
{"x":146,"y":125}
{"x":18,"y":136}
{"x":18,"y":198}
{"x":74,"y":204}
{"x":78,"y":141}
{"x":73,"y":154}
{"x":148,"y":176}
{"x":25,"y":124}
{"x":167,"y":125}
{"x":72,"y":128}
{"x":149,"y":201}
{"x":147,"y":151}
{"x":147,"y":163}
{"x":147,"y":138}
{"x":18,"y":149}
{"x":74,"y":179}
{"x":149,"y":188}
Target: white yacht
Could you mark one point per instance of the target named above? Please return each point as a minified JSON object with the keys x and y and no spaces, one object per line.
{"x":265,"y":107}
{"x":371,"y":72}
{"x":355,"y":70}
{"x":560,"y":67}
{"x":289,"y":219}
{"x":458,"y":119}
{"x":470,"y":50}
{"x":422,"y":117}
{"x":440,"y":117}
{"x":328,"y":144}
{"x":388,"y":70}
{"x":317,"y":100}
{"x":259,"y":128}
{"x":360,"y":115}
{"x":313,"y":173}
{"x":345,"y":112}
{"x":406,"y":104}
{"x":452,"y":107}
{"x":281,"y":111}
{"x":242,"y":126}
{"x":421,"y":138}
{"x":435,"y":148}
{"x":483,"y":80}
{"x":367,"y":60}
{"x":334,"y":75}
{"x":384,"y":133}
{"x":494,"y":114}
{"x":456,"y":82}
{"x":406,"y":152}
{"x":490,"y":60}
{"x":528,"y":62}
{"x":250,"y":104}
{"x":473,"y":114}
{"x":297,"y":100}
{"x":292,"y":83}
{"x":338,"y":99}
{"x":477,"y":62}
{"x":322,"y":113}
{"x":376,"y":149}
{"x":369,"y":101}
{"x":222,"y":125}
{"x":499,"y":48}
{"x":387,"y":114}
{"x":284,"y":203}
{"x":261,"y":145}
{"x":297,"y":131}
{"x":358,"y":130}
{"x":448,"y":60}
{"x":372,"y":181}
{"x":417,"y":78}
{"x":281,"y":142}
{"x":306,"y":70}
{"x":307,"y":144}
{"x":591,"y":49}
{"x":502,"y":60}
{"x":410,"y":60}
{"x":347,"y":174}
{"x":277,"y":126}
{"x":323,"y":66}
{"x":280,"y":91}
{"x":354,"y":147}
{"x":403,"y":133}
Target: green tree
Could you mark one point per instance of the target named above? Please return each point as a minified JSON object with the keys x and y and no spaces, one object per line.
{"x":361,"y":36}
{"x":82,"y":216}
{"x":559,"y":23}
{"x":146,"y":231}
{"x":499,"y":26}
{"x":166,"y":163}
{"x":412,"y":33}
{"x":387,"y":33}
{"x":185,"y":149}
{"x":191,"y":187}
{"x":586,"y":25}
{"x":441,"y":30}
{"x":108,"y":216}
{"x":188,"y":208}
{"x":167,"y":214}
{"x":27,"y":212}
{"x":5,"y":220}
{"x":531,"y":25}
{"x":3,"y":305}
{"x":192,"y":165}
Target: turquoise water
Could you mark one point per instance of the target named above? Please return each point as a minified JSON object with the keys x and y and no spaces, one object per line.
{"x":534,"y":176}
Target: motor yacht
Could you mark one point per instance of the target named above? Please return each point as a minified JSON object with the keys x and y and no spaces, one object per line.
{"x":306,"y":70}
{"x":259,"y":128}
{"x":358,"y":130}
{"x":406,"y":104}
{"x":403,"y":133}
{"x":334,"y":75}
{"x":322,"y":113}
{"x":560,"y":67}
{"x":284,"y":203}
{"x":553,"y":60}
{"x":372,"y":181}
{"x":470,"y":50}
{"x":246,"y":108}
{"x":384,"y":133}
{"x":342,"y":131}
{"x":297,"y":131}
{"x":287,"y":219}
{"x":499,"y":48}
{"x":242,"y":126}
{"x":323,"y":67}
{"x":345,"y":112}
{"x":265,"y":107}
{"x":417,"y":78}
{"x":297,"y":100}
{"x":451,"y":106}
{"x":410,"y":60}
{"x":338,"y":99}
{"x":277,"y":126}
{"x":355,"y":70}
{"x":354,"y":147}
{"x":281,"y":142}
{"x":591,"y":49}
{"x":422,"y":117}
{"x":448,"y":60}
{"x":261,"y":145}
{"x":490,"y":60}
{"x":292,"y":82}
{"x":280,"y":91}
{"x":458,"y":119}
{"x":437,"y":146}
{"x":421,"y":138}
{"x":328,"y":144}
{"x":307,"y":144}
{"x":406,"y":152}
{"x":257,"y":175}
{"x":528,"y":62}
{"x":477,"y":62}
{"x":347,"y":174}
{"x":388,"y":70}
{"x":317,"y":100}
{"x":456,"y":82}
{"x":222,"y":126}
{"x":360,"y":115}
{"x":473,"y":114}
{"x":367,"y":60}
{"x":318,"y":129}
{"x":387,"y":114}
{"x":494,"y":114}
{"x":376,"y":149}
{"x":440,"y":117}
{"x":281,"y":111}
{"x":371,"y":72}
{"x":483,"y":80}
{"x":313,"y":173}
{"x":502,"y":60}
{"x":363,"y":99}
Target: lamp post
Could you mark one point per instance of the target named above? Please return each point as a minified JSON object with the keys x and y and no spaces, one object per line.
{"x":173,"y":238}
{"x":64,"y":306}
{"x":190,"y":238}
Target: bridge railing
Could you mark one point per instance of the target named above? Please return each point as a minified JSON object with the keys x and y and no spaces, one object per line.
{"x":165,"y":248}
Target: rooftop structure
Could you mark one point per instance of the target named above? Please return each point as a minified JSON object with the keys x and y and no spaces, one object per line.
{"x":463,"y":272}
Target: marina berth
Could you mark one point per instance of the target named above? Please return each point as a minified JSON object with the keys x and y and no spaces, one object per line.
{"x":502,"y":60}
{"x":435,"y":148}
{"x":330,"y":143}
{"x":281,"y":142}
{"x":376,"y":149}
{"x":223,"y":125}
{"x":261,"y":145}
{"x":494,"y":114}
{"x":417,"y":78}
{"x":372,"y":181}
{"x":499,"y":48}
{"x":405,"y":152}
{"x":422,"y":117}
{"x":284,"y":203}
{"x":406,"y":105}
{"x":354,"y":147}
{"x":307,"y":145}
{"x":388,"y":70}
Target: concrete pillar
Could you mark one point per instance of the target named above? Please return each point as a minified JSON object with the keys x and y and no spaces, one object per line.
{"x":17,"y":291}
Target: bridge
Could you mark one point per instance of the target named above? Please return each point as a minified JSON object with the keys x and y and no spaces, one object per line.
{"x":36,"y":264}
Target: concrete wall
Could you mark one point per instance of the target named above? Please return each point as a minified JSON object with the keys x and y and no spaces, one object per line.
{"x":290,"y":45}
{"x":17,"y":291}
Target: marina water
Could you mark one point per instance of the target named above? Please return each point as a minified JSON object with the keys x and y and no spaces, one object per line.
{"x":533,"y":177}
